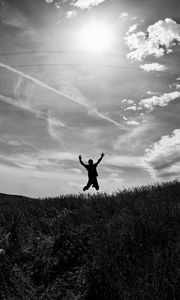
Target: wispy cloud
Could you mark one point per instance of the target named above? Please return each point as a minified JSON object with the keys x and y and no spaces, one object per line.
{"x":163,"y":157}
{"x":77,"y":100}
{"x":96,"y":113}
{"x":53,"y":123}
{"x":124,"y":161}
{"x":11,"y":17}
{"x":22,"y":105}
{"x":76,"y":170}
{"x":10,"y":141}
{"x":17,"y":141}
{"x":124,"y":16}
{"x":159,"y":39}
{"x":43,"y":160}
{"x":69,"y":93}
{"x":162,"y":100}
{"x":153,"y":67}
{"x":53,"y":126}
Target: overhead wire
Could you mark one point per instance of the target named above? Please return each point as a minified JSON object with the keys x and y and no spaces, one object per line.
{"x":31,"y":52}
{"x":57,"y":51}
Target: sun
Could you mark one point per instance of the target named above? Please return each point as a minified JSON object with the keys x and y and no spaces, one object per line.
{"x":96,"y":37}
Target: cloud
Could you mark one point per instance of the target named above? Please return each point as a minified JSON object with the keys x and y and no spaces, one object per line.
{"x":36,"y":183}
{"x":132,"y":28}
{"x":14,"y":17}
{"x":22,"y":105}
{"x":133,"y":107}
{"x":124,"y":16}
{"x":46,"y":160}
{"x":17,"y":141}
{"x":53,"y":123}
{"x":124,"y":161}
{"x":133,"y":122}
{"x":153,"y":67}
{"x":95,"y":112}
{"x":128,"y":101}
{"x":134,"y":141}
{"x":87,"y":3}
{"x":177,"y":86}
{"x":159,"y":39}
{"x":67,"y":91}
{"x":163,"y":157}
{"x":10,"y":141}
{"x":11,"y":17}
{"x":165,"y":32}
{"x":131,"y":103}
{"x":114,"y":175}
{"x":162,"y":100}
{"x":71,"y":14}
{"x":76,"y":170}
{"x":75,"y":184}
{"x":142,"y":47}
{"x":53,"y":126}
{"x":68,"y":94}
{"x":152,"y":93}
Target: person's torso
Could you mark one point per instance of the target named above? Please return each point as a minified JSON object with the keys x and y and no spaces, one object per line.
{"x":92,"y":172}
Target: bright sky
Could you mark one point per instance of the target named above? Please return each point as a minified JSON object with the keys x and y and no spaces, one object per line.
{"x":86,"y":77}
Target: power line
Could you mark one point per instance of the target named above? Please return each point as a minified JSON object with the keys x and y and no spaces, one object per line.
{"x":29,"y":52}
{"x":74,"y":64}
{"x":87,"y":64}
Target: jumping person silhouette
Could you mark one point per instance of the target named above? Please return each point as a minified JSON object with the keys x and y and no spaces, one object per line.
{"x":92,"y":172}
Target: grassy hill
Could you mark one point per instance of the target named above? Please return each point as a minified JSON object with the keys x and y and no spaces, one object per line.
{"x":82,"y":247}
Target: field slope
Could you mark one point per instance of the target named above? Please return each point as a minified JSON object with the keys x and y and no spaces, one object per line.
{"x":82,"y":247}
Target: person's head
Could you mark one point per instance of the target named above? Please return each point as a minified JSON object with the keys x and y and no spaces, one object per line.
{"x":90,"y":161}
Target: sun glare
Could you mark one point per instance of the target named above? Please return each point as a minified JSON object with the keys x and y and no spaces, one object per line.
{"x":96,"y":37}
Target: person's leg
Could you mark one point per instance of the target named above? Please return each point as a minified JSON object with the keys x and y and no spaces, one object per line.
{"x":88,"y":185}
{"x":95,"y":184}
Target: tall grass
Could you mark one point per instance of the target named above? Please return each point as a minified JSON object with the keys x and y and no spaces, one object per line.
{"x":120,"y":246}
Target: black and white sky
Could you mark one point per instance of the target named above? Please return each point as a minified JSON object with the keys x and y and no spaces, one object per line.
{"x":62,"y":95}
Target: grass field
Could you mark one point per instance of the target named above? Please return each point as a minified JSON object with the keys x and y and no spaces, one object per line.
{"x":83,"y":247}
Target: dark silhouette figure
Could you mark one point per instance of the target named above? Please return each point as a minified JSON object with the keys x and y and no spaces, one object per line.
{"x":92,"y":172}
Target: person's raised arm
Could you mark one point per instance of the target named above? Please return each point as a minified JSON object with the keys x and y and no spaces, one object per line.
{"x":80,"y":159}
{"x":99,"y":160}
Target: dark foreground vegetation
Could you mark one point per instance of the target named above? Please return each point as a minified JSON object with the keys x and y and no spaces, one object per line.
{"x":120,"y":246}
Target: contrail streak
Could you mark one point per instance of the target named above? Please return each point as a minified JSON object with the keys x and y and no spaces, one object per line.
{"x":82,"y":102}
{"x":94,"y":111}
{"x":42,"y":84}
